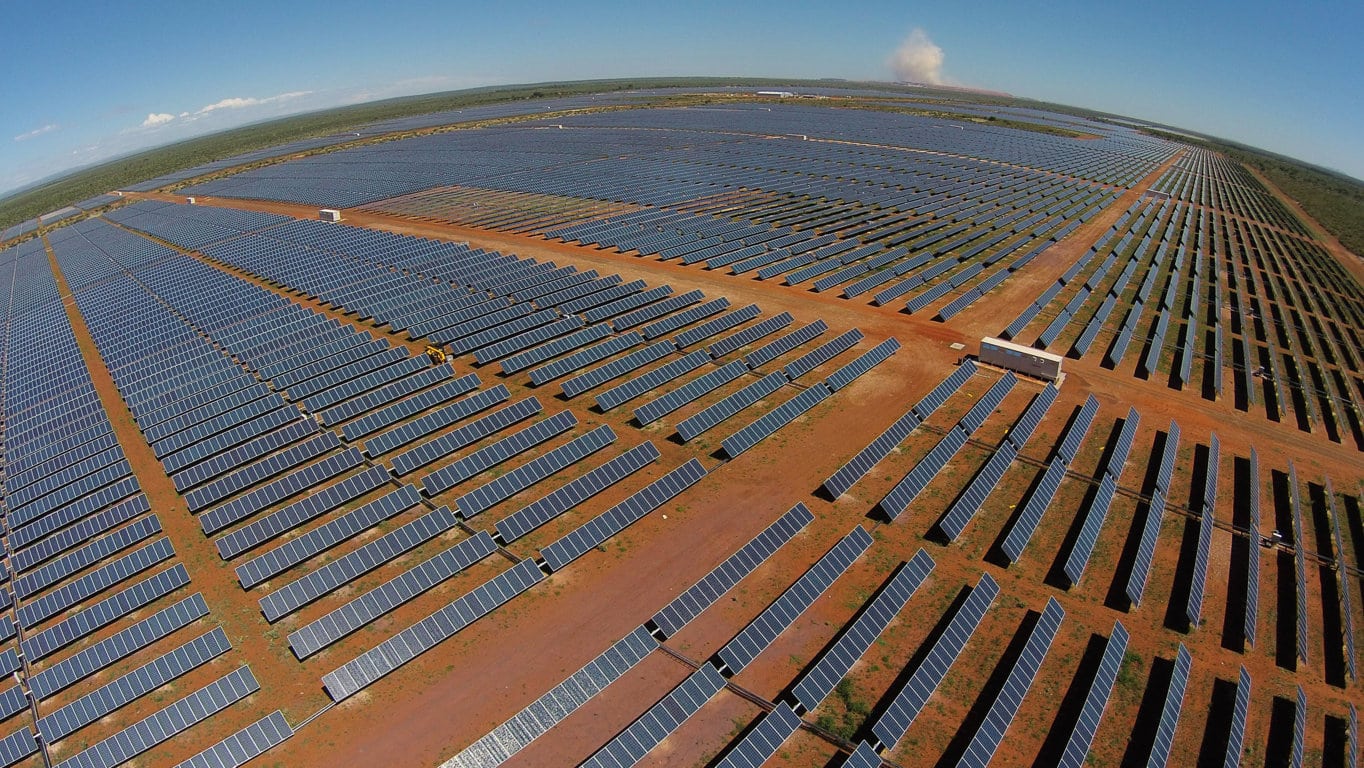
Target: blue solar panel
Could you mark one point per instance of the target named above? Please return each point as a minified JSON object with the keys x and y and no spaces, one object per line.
{"x":490,"y":456}
{"x":482,"y":498}
{"x":964,"y":509}
{"x":912,"y":484}
{"x":864,"y":363}
{"x":945,"y":389}
{"x":518,"y":731}
{"x":362,"y":609}
{"x":821,"y":354}
{"x":1170,"y":711}
{"x":617,"y":368}
{"x":529,"y":518}
{"x":724,"y":576}
{"x":769,"y":423}
{"x":1088,"y":537}
{"x":575,"y":543}
{"x":464,"y":436}
{"x":692,"y":390}
{"x":819,"y":681}
{"x":1299,"y":561}
{"x":1021,"y":533}
{"x":1237,"y":735}
{"x":1346,"y":602}
{"x":430,"y":422}
{"x":639,"y":385}
{"x":868,"y":457}
{"x":352,"y":565}
{"x":749,"y":335}
{"x":1077,"y":746}
{"x":763,"y":741}
{"x":244,"y":745}
{"x":248,"y":504}
{"x":783,"y":344}
{"x":713,"y":415}
{"x":103,"y":613}
{"x":1002,"y":710}
{"x":891,"y":726}
{"x":641,"y":736}
{"x":759,"y":633}
{"x":392,"y":653}
{"x":562,"y":367}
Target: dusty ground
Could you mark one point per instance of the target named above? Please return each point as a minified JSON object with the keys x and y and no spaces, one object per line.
{"x":448,"y":697}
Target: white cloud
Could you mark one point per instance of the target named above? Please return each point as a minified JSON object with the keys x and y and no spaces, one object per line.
{"x":157,"y":118}
{"x":238,"y":102}
{"x":918,"y":59}
{"x":49,"y":128}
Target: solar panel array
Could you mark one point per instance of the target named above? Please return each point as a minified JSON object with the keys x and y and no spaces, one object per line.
{"x":392,"y":653}
{"x":640,"y":737}
{"x":1077,"y":746}
{"x":418,"y":456}
{"x":819,"y":680}
{"x":1299,"y":561}
{"x":501,"y":488}
{"x":1346,"y":602}
{"x":1236,"y":737}
{"x":1002,"y":710}
{"x":768,"y":424}
{"x":1150,"y":532}
{"x":711,"y":587}
{"x":541,"y":511}
{"x":1253,"y":551}
{"x":711,"y":416}
{"x":1021,"y":532}
{"x":244,"y":745}
{"x":1299,"y":729}
{"x":909,"y":701}
{"x":761,"y":743}
{"x":1164,"y":740}
{"x":513,"y":735}
{"x":614,"y":520}
{"x":762,"y":630}
{"x":166,"y":723}
{"x":361,"y":610}
{"x":490,"y":456}
{"x":868,"y":457}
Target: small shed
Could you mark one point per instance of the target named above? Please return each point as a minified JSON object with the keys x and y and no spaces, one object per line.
{"x":1020,"y":359}
{"x":329,"y":214}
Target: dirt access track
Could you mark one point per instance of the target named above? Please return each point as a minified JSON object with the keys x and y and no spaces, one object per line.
{"x":437,"y":704}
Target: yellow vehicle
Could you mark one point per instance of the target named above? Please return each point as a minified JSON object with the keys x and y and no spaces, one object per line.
{"x":436,"y":354}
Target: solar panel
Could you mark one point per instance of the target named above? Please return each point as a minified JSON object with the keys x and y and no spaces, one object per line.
{"x":103,"y":653}
{"x":1165,"y":471}
{"x":426,"y":377}
{"x":296,"y":482}
{"x":823,"y":353}
{"x":1193,"y":609}
{"x":249,"y":451}
{"x":768,"y":424}
{"x":402,"y":409}
{"x":119,"y":692}
{"x":532,"y":516}
{"x":490,"y":456}
{"x":687,"y":317}
{"x":1253,"y":551}
{"x":763,"y":741}
{"x":819,"y":681}
{"x":617,"y":368}
{"x":504,"y":741}
{"x":783,"y":344}
{"x":1001,"y":713}
{"x":392,"y":653}
{"x":17,"y":746}
{"x":526,"y":359}
{"x":523,"y":477}
{"x":264,"y":469}
{"x":614,"y":520}
{"x":1299,"y":728}
{"x":1070,"y":444}
{"x":1352,"y":743}
{"x":864,"y":363}
{"x":964,"y":509}
{"x":945,"y":389}
{"x":308,"y":508}
{"x":559,"y":368}
{"x":749,"y":335}
{"x":656,"y":378}
{"x":713,"y":415}
{"x":1077,"y":746}
{"x":530,"y":338}
{"x":1299,"y":560}
{"x":1089,"y":530}
{"x":31,"y":583}
{"x":438,"y":419}
{"x":863,"y":757}
{"x":462,"y":342}
{"x":724,"y":576}
{"x":291,"y":553}
{"x":1237,"y":735}
{"x":103,"y":613}
{"x":692,"y":390}
{"x":629,"y":300}
{"x":464,"y":436}
{"x":361,"y":610}
{"x":868,"y":457}
{"x":912,"y":484}
{"x":708,"y":329}
{"x":1347,"y":609}
{"x":1117,"y":460}
{"x":795,"y":600}
{"x":891,"y":726}
{"x":1170,"y":711}
{"x":165,"y":724}
{"x":31,"y":613}
{"x":640,"y":737}
{"x":244,"y":745}
{"x":653,"y":311}
{"x":1146,"y":548}
{"x":352,"y":565}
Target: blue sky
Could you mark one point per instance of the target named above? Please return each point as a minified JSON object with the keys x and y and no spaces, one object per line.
{"x":87,"y":81}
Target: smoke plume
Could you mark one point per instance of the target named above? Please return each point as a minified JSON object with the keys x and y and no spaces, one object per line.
{"x":918,"y":59}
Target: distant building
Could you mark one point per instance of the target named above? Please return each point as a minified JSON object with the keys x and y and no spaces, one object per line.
{"x":778,"y":94}
{"x":329,"y":214}
{"x":1024,"y":360}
